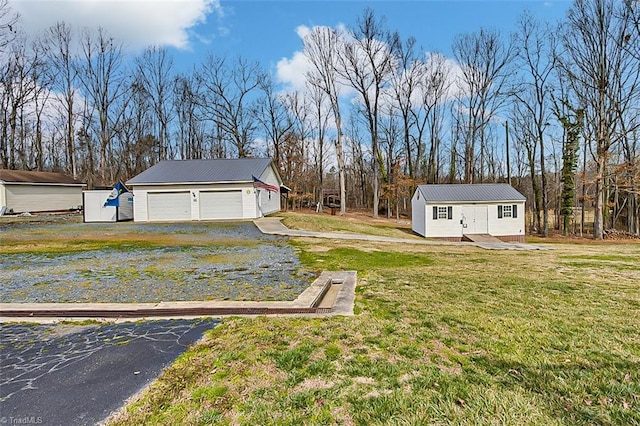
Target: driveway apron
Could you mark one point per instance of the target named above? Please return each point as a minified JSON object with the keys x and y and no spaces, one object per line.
{"x":80,"y":374}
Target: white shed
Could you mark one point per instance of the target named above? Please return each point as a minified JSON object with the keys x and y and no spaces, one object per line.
{"x":219,"y":189}
{"x":95,"y":210}
{"x":25,"y":191}
{"x":455,"y":210}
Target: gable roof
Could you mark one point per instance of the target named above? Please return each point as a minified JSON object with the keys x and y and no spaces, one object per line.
{"x":477,"y":192}
{"x":24,"y":176}
{"x":202,"y":171}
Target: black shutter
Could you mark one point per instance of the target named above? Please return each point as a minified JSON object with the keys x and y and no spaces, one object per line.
{"x":449,"y":212}
{"x":499,"y":212}
{"x":514,"y":211}
{"x":435,"y":212}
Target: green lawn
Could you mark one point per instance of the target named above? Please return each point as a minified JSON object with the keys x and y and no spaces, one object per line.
{"x":353,"y":224}
{"x":441,"y":335}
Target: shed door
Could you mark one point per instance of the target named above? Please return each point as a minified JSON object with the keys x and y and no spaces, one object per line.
{"x":169,"y":205}
{"x":476,"y":219}
{"x":220,"y":205}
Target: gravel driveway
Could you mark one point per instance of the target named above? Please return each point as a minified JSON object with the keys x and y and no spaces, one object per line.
{"x":128,"y":262}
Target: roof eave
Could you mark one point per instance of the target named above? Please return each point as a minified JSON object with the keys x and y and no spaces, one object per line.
{"x":188,"y":183}
{"x":4,"y":182}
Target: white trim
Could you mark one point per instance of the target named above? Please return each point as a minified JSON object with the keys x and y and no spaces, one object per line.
{"x":42,"y":183}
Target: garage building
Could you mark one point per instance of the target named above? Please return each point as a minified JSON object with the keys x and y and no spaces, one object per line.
{"x":218,"y":189}
{"x":24,"y":191}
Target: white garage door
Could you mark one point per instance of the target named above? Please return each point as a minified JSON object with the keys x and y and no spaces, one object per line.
{"x":169,"y":206}
{"x":221,"y":205}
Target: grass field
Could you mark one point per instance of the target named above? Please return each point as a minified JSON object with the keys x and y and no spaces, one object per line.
{"x":353,"y":223}
{"x":441,"y":335}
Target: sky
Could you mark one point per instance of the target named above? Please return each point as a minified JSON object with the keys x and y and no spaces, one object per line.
{"x":269,"y":31}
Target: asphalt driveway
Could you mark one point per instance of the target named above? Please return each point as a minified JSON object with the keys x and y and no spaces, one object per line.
{"x":80,"y":374}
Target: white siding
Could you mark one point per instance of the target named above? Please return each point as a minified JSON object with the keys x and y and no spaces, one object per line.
{"x":269,"y":201}
{"x":41,"y":197}
{"x":250,"y":202}
{"x":94,"y":209}
{"x":248,"y":195}
{"x":3,"y":202}
{"x":417,"y":214}
{"x":506,"y":225}
{"x":443,"y":228}
{"x":466,"y":218}
{"x":479,"y":218}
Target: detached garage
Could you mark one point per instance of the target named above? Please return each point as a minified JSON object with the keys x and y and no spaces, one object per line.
{"x":453,"y":211}
{"x":24,"y":191}
{"x":220,"y":189}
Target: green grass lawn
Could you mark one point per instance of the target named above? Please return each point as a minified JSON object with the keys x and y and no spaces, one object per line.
{"x":325,"y":223}
{"x":441,"y":335}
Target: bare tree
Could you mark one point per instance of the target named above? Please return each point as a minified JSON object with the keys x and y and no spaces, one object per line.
{"x":367,"y":63}
{"x":321,"y":50}
{"x":103,"y":83}
{"x":484,"y":58}
{"x":225,"y":98}
{"x":8,"y":25}
{"x":276,"y":121}
{"x":18,"y":89}
{"x":526,"y":142}
{"x":154,"y":73}
{"x":594,"y":61}
{"x":189,"y":132}
{"x":434,"y":86}
{"x":536,"y":54}
{"x":320,"y":114}
{"x":404,"y":87}
{"x":62,"y":66}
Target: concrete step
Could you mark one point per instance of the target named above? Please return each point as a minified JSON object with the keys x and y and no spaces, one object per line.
{"x":481,"y":238}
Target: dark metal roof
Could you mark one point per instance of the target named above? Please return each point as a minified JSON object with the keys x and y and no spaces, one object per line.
{"x":477,"y":192}
{"x":24,"y":176}
{"x":202,"y":171}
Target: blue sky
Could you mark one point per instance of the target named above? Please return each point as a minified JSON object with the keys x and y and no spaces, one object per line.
{"x":266,"y":30}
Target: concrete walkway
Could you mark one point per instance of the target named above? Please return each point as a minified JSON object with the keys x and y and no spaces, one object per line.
{"x":274,"y":226}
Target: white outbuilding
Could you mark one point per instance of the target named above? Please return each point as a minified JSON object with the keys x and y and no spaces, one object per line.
{"x":99,"y":206}
{"x":455,"y":211}
{"x":218,"y":189}
{"x":23,"y":191}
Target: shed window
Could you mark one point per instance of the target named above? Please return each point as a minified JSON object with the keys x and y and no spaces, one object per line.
{"x":508,"y":211}
{"x":442,"y":212}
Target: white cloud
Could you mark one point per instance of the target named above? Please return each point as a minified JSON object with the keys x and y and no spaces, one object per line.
{"x":292,"y":71}
{"x":303,"y":31}
{"x":136,"y":23}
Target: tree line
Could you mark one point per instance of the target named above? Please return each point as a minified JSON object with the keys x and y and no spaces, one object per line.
{"x":553,"y":109}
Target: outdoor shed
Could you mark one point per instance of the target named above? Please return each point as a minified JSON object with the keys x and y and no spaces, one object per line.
{"x":183,"y":190}
{"x":108,"y":205}
{"x":25,"y":191}
{"x":455,"y":211}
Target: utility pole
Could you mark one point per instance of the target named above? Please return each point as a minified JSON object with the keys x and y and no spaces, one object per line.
{"x":506,"y":127}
